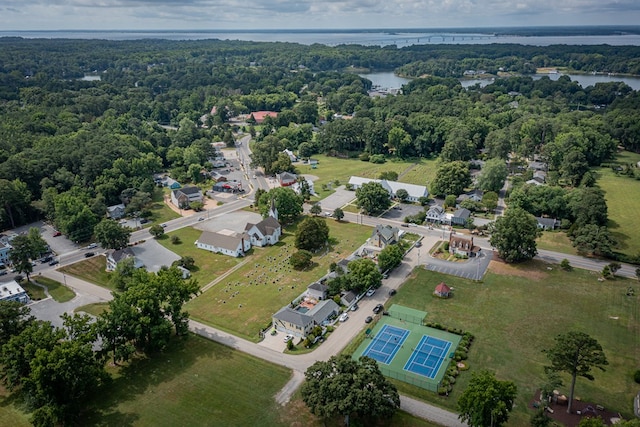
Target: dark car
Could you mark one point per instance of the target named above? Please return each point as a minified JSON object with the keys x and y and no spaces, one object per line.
{"x":369,"y":319}
{"x":404,"y":224}
{"x":89,"y":254}
{"x":54,"y":262}
{"x":378,"y":308}
{"x":392,"y":292}
{"x":57,"y":233}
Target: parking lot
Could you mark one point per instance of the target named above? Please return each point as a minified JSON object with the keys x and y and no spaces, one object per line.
{"x":402,"y":210}
{"x":472,"y":269}
{"x":340,"y":198}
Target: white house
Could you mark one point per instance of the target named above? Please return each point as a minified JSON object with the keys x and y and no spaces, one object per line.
{"x":299,"y":324}
{"x":292,"y":156}
{"x":183,"y":197}
{"x":414,"y":191}
{"x":436,"y":214}
{"x":115,"y":256}
{"x":233,"y":244}
{"x":266,"y":232}
{"x":296,"y":186}
{"x":12,"y":291}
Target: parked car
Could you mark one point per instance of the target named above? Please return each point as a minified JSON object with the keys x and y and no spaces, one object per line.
{"x":404,"y":224}
{"x":392,"y":292}
{"x":92,"y":246}
{"x":57,"y":233}
{"x":89,"y":254}
{"x":163,"y":225}
{"x":54,"y":262}
{"x":288,"y":338}
{"x":370,"y":292}
{"x":144,"y":221}
{"x":418,"y":244}
{"x":354,"y":307}
{"x":3,"y":272}
{"x":378,"y":308}
{"x":201,"y":218}
{"x":369,"y":319}
{"x":343,"y":317}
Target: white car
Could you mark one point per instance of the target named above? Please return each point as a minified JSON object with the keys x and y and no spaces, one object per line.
{"x":92,"y":245}
{"x":288,"y":338}
{"x":343,"y":317}
{"x":370,"y":292}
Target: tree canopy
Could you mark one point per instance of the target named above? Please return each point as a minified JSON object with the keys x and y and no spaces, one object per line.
{"x":486,"y":401}
{"x":112,"y":235}
{"x":312,"y":234}
{"x":373,"y":198}
{"x":451,"y":178}
{"x":514,"y":235}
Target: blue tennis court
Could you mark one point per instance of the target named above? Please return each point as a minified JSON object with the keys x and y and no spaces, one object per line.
{"x":428,"y":356}
{"x":386,"y":344}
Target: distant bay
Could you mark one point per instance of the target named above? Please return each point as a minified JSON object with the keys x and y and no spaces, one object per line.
{"x":336,"y":37}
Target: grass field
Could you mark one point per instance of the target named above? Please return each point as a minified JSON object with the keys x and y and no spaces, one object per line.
{"x":244,"y":302}
{"x":95,"y":309}
{"x":330,"y":169}
{"x":208,"y":265}
{"x":35,"y":292}
{"x":557,"y":241}
{"x":161,"y":212}
{"x":92,"y":270}
{"x":57,"y":290}
{"x":623,"y":203}
{"x":516,"y":314}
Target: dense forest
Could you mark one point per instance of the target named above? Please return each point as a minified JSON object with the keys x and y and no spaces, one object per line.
{"x":70,"y":147}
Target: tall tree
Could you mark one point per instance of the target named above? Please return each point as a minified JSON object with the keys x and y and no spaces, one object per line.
{"x":486,"y":402}
{"x":112,"y":235}
{"x":514,"y":235}
{"x":373,"y":198}
{"x":493,"y":174}
{"x":26,"y":248}
{"x":451,"y":178}
{"x":390,"y":257}
{"x":346,"y":387}
{"x":312,"y":234}
{"x":576,"y":353}
{"x":14,"y":318}
{"x":338,"y":214}
{"x":363,"y":274}
{"x":288,"y":203}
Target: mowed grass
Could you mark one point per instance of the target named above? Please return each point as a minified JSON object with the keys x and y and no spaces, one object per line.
{"x":623,"y":203}
{"x":330,"y":169}
{"x":91,"y":270}
{"x":516,"y":314}
{"x":57,"y":290}
{"x":244,"y":302}
{"x":161,"y":212}
{"x":209,"y":266}
{"x":557,"y":241}
{"x":197,"y":382}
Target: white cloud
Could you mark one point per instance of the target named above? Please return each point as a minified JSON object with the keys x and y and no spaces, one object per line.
{"x":236,"y":14}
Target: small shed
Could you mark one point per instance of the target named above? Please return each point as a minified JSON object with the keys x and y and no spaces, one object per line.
{"x":442,"y":290}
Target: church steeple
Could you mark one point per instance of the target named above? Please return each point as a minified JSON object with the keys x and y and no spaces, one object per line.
{"x":273,"y":211}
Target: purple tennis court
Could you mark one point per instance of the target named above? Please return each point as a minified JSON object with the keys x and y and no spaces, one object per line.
{"x":428,"y":356}
{"x":386,"y":344}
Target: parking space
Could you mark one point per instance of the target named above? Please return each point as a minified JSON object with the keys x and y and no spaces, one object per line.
{"x":472,"y":269}
{"x":402,"y":210}
{"x":235,"y":222}
{"x":153,"y":255}
{"x":338,"y":199}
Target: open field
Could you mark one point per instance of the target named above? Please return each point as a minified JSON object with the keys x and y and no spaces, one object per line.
{"x":35,"y":292}
{"x":331,"y":169}
{"x":208,"y":265}
{"x":91,"y":270}
{"x":161,"y":212}
{"x":557,"y":241}
{"x":623,"y":203}
{"x":57,"y":290}
{"x":244,"y":302}
{"x":95,"y":309}
{"x":516,"y":314}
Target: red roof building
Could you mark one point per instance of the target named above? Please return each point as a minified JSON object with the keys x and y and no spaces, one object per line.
{"x":442,"y":290}
{"x":259,"y":116}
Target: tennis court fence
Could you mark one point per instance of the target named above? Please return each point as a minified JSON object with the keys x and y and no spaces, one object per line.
{"x":410,"y":379}
{"x":417,"y":320}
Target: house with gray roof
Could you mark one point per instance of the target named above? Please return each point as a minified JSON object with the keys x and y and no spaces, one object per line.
{"x":317,"y":290}
{"x":266,"y":232}
{"x":300,"y":323}
{"x":233,"y":244}
{"x":384,"y":235}
{"x":116,"y":256}
{"x":436,"y":214}
{"x":115,"y":211}
{"x":547,"y":223}
{"x":460,"y":216}
{"x":183,"y":197}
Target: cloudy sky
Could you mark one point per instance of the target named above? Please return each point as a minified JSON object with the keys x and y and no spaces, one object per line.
{"x":308,"y":14}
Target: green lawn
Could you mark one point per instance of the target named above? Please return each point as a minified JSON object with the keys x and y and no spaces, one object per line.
{"x":623,"y":203}
{"x":557,"y":241}
{"x":91,"y":270}
{"x":34,"y":291}
{"x":57,"y":290}
{"x":208,"y":265}
{"x":195,"y":383}
{"x":161,"y":212}
{"x":245,"y":301}
{"x":330,"y":169}
{"x":515,"y":315}
{"x":94,"y":309}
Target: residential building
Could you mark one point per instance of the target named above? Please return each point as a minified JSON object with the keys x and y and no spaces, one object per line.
{"x":317,"y":290}
{"x":415,"y":191}
{"x":348,"y":298}
{"x":12,"y":291}
{"x":296,"y":186}
{"x":299,"y":323}
{"x":115,"y":256}
{"x":462,"y":246}
{"x":292,"y":156}
{"x":115,"y":211}
{"x":475,"y":196}
{"x":5,"y":250}
{"x":436,"y":214}
{"x":260,"y":116}
{"x":232,"y":244}
{"x":547,"y":223}
{"x":183,"y":197}
{"x":460,"y":217}
{"x":384,"y":235}
{"x":266,"y":232}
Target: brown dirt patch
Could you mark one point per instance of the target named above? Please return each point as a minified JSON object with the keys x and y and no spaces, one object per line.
{"x":532,"y":270}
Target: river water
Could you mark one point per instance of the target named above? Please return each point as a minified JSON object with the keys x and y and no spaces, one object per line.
{"x":389,"y":80}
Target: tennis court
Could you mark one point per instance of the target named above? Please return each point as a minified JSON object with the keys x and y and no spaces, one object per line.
{"x":386,"y":344}
{"x":428,"y":356}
